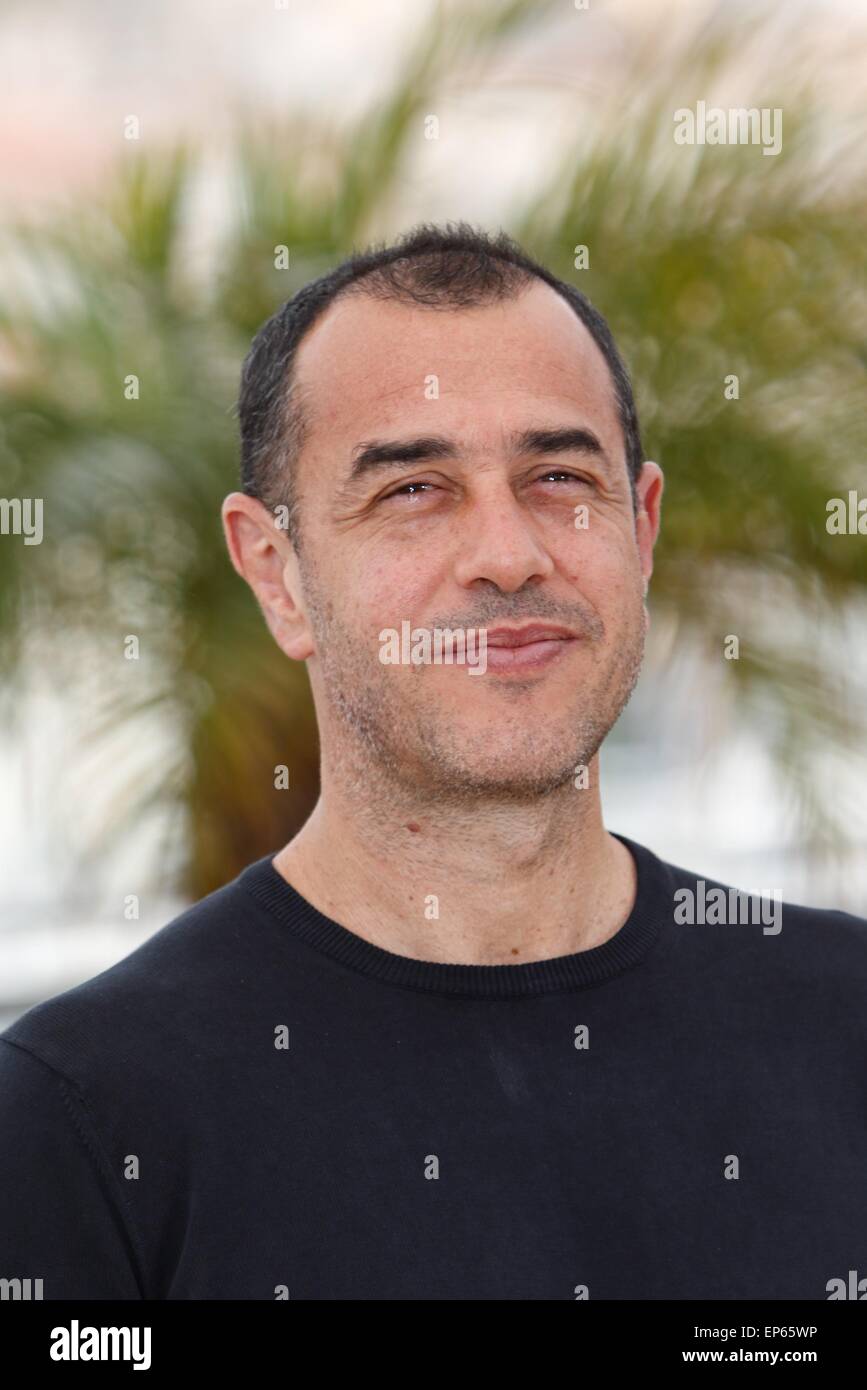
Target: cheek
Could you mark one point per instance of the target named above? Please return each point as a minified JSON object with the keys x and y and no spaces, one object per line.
{"x":388,"y":592}
{"x":602,"y":567}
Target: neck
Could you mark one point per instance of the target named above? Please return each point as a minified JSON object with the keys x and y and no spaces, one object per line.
{"x":483,"y":884}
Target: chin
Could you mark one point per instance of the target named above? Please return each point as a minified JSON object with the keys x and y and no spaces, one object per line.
{"x":504,"y":779}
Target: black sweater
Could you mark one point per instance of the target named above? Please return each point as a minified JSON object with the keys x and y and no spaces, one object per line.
{"x":257,"y":1103}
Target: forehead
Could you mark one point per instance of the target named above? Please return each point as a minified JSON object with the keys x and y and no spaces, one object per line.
{"x":368,"y":363}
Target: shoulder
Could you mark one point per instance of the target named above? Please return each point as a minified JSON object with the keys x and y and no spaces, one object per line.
{"x":761,"y":929}
{"x":150,"y":1003}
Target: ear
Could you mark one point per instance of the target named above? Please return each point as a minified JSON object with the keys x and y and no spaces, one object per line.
{"x":648,"y":490}
{"x":264,"y":556}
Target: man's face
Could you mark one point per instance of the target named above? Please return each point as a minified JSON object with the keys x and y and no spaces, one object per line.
{"x":478,"y":531}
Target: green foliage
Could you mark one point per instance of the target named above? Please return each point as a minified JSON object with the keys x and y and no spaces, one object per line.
{"x":706,"y":261}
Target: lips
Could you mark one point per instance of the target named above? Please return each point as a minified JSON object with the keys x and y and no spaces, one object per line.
{"x":524,"y":636}
{"x":526,"y":651}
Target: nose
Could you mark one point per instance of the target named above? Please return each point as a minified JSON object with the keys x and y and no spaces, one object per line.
{"x":500,"y":543}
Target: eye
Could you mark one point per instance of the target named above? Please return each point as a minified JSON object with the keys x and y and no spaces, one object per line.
{"x":561,"y":473}
{"x":404,"y":490}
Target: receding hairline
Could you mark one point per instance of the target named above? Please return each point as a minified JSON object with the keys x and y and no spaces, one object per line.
{"x":451,"y":268}
{"x":297,"y":404}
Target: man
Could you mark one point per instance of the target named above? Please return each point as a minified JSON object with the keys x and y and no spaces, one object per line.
{"x":455,"y":1040}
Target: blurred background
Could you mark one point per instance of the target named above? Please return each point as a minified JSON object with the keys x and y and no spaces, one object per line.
{"x":154,"y":157}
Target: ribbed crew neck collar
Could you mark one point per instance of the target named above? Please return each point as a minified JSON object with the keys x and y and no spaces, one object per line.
{"x":624,"y":949}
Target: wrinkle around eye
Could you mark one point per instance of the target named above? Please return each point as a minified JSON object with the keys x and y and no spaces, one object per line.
{"x":425,"y":488}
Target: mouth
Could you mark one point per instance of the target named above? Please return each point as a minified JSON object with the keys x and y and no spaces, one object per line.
{"x":526,"y":648}
{"x":524,"y":636}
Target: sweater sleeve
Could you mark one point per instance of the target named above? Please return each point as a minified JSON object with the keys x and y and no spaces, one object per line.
{"x":60,"y":1213}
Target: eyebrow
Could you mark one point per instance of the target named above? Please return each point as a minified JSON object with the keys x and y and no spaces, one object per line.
{"x":376,"y":454}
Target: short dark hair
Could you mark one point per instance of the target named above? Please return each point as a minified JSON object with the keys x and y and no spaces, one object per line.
{"x":450,"y":267}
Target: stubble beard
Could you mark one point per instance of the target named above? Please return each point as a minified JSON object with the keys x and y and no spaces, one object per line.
{"x":377,"y":739}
